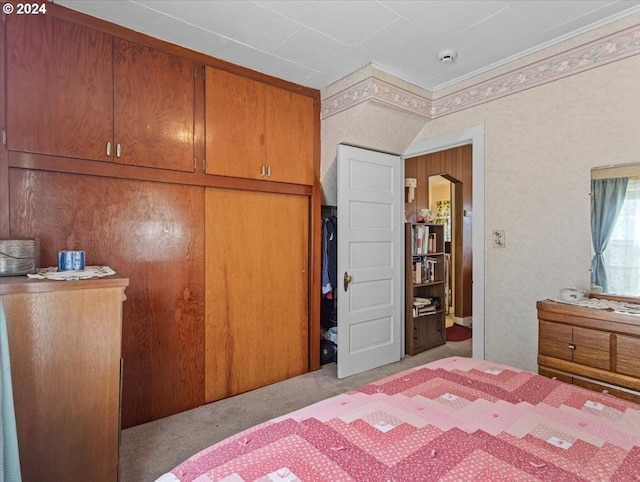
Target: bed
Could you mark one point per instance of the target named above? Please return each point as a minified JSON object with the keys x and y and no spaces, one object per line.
{"x":455,"y":419}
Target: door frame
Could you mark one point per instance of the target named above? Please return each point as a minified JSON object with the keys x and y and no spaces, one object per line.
{"x":474,"y":136}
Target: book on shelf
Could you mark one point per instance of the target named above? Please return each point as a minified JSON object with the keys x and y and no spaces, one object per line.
{"x":431,"y":243}
{"x":417,"y":272}
{"x":431,"y":269}
{"x":424,"y":270}
{"x":420,"y":239}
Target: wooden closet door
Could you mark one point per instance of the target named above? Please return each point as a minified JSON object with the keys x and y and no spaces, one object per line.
{"x":256,"y":305}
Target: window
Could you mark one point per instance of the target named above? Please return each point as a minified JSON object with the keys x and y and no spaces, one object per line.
{"x":622,"y":256}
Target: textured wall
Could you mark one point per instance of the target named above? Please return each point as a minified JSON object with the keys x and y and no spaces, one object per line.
{"x":367,"y":109}
{"x":540,"y":145}
{"x":548,"y":118}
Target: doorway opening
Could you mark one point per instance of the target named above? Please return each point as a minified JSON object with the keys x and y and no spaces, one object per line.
{"x":474,"y":137}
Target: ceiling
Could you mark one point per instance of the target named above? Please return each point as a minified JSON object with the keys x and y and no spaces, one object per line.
{"x":315,"y":43}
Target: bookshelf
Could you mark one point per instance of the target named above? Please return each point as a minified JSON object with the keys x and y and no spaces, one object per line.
{"x":425,"y":287}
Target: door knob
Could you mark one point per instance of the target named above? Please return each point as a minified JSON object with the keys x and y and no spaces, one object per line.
{"x":347,"y":280}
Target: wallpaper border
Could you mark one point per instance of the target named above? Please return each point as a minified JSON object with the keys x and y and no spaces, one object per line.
{"x":617,"y":46}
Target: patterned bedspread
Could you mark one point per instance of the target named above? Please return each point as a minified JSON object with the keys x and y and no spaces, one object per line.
{"x":456,"y":419}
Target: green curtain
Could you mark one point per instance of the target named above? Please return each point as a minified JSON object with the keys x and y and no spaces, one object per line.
{"x":607,"y":198}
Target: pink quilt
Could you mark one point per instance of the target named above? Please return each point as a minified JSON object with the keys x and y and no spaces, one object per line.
{"x":456,"y":419}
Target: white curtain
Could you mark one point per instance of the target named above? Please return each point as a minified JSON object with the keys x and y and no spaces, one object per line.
{"x":622,"y":257}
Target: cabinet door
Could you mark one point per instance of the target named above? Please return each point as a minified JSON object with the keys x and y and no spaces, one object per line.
{"x":555,"y":340}
{"x":154,"y":107}
{"x":436,"y":334}
{"x":234,"y":125}
{"x":420,"y":334}
{"x":59,"y":88}
{"x":65,"y":366}
{"x":627,"y":361}
{"x":592,"y":348}
{"x":256,"y":288}
{"x":290,"y":136}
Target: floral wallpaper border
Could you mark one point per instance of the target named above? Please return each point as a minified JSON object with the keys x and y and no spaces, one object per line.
{"x":372,"y":88}
{"x":620,"y":45}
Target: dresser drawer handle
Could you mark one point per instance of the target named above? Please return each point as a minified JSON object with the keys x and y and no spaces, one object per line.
{"x":571,"y":346}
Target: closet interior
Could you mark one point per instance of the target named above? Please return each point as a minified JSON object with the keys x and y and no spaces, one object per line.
{"x":329,"y":284}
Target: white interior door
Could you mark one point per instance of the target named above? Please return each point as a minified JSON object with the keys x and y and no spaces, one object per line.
{"x":370,"y":259}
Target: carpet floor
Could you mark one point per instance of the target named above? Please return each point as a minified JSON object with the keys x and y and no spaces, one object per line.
{"x":149,"y":450}
{"x":458,"y":333}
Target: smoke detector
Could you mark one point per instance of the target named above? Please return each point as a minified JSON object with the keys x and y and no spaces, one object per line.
{"x":447,"y":56}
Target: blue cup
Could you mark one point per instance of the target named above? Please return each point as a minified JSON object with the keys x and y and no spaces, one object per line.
{"x":70,"y":260}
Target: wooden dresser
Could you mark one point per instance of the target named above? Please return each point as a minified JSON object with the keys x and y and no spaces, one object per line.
{"x":65,"y":351}
{"x":595,"y":348}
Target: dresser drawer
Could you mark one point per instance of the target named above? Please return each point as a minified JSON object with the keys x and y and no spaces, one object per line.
{"x":594,"y":348}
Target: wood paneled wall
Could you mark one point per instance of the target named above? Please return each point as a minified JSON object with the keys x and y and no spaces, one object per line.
{"x":153,"y":232}
{"x":144,"y":220}
{"x":456,"y":165}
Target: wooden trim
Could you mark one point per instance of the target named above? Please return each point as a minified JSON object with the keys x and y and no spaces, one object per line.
{"x":315,"y":248}
{"x":4,"y":162}
{"x":595,"y":374}
{"x":64,"y":13}
{"x":22,"y":284}
{"x":589,"y":317}
{"x":25,"y":160}
{"x":594,"y":385}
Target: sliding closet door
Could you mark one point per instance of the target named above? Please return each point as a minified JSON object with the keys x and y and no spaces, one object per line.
{"x":257,"y":283}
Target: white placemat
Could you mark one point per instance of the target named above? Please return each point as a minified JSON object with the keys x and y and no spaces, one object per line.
{"x":86,"y":273}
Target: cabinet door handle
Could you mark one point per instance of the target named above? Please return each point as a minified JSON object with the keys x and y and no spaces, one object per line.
{"x":268,"y":171}
{"x":118,"y":150}
{"x":109,"y":149}
{"x":262,"y":171}
{"x":571,"y":346}
{"x":415,"y":332}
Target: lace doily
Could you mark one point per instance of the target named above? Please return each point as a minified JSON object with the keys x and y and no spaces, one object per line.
{"x":619,"y":306}
{"x":87,"y":273}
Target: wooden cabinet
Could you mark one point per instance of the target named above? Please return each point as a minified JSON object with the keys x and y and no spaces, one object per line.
{"x":74,"y":84}
{"x":153,"y":108}
{"x":425,"y":287}
{"x":256,"y":289}
{"x":257,"y":131}
{"x":59,"y":88}
{"x":77,"y":92}
{"x":590,"y":347}
{"x":64,"y":344}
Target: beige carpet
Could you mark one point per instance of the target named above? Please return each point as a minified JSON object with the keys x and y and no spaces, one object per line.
{"x":149,"y":450}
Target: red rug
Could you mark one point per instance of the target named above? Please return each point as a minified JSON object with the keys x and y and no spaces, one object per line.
{"x":458,"y":333}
